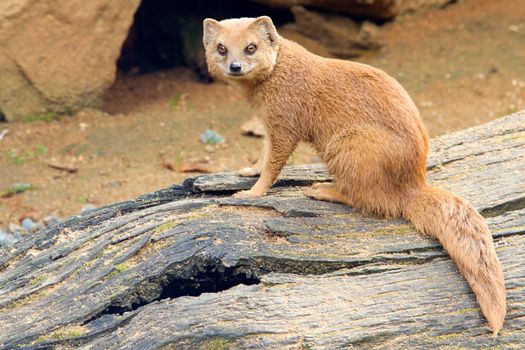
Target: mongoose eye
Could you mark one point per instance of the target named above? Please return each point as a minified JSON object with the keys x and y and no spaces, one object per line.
{"x":250,"y":49}
{"x":222,"y":50}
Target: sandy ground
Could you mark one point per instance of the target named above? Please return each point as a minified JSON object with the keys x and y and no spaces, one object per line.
{"x":463,"y":65}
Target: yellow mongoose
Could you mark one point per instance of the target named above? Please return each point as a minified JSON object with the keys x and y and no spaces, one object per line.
{"x":367,"y":130}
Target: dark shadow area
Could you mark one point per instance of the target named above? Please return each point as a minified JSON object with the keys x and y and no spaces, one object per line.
{"x":203,"y":277}
{"x":167,"y":34}
{"x":214,"y":279}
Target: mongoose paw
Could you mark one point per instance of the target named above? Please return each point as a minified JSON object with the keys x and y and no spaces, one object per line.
{"x":247,"y":194}
{"x":247,"y":172}
{"x":312,"y":192}
{"x":318,"y":185}
{"x":325,"y":193}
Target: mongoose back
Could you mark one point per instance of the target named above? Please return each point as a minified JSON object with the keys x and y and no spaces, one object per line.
{"x":368,"y":132}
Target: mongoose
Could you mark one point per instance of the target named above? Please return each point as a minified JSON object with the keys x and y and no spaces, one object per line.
{"x":368,"y":132}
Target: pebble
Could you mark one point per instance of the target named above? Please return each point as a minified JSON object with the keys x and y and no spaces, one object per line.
{"x":210,"y":137}
{"x":16,"y":229}
{"x":14,"y":233}
{"x":30,"y":225}
{"x":7,"y":239}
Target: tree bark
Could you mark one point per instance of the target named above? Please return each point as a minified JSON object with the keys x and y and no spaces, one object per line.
{"x":189,"y":267}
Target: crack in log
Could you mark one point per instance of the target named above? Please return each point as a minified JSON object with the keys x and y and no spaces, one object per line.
{"x":434,"y":164}
{"x":46,"y":237}
{"x":514,"y":205}
{"x":200,"y":275}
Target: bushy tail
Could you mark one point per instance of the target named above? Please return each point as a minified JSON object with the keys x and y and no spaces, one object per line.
{"x":466,"y":237}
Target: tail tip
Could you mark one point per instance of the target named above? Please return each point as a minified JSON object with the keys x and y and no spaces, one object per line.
{"x":496,"y":325}
{"x":495,"y":332}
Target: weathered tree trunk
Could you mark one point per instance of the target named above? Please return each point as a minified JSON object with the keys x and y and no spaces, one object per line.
{"x":190,"y":267}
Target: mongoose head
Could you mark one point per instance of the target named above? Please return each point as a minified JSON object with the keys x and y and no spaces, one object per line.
{"x":241,"y":48}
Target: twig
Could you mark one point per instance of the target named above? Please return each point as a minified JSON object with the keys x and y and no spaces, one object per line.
{"x":3,"y":134}
{"x":69,"y":169}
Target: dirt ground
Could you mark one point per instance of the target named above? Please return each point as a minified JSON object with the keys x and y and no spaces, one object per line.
{"x":463,"y":65}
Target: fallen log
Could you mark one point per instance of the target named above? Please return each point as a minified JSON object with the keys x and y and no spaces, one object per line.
{"x":191,"y":267}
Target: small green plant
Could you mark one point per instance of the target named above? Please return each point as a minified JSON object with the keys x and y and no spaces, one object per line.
{"x":19,"y":159}
{"x":507,"y":110}
{"x":16,"y":189}
{"x":179,"y":159}
{"x":122,"y":267}
{"x":177,"y":99}
{"x":37,"y":280}
{"x":83,"y":199}
{"x":216,"y":344}
{"x":164,"y":227}
{"x":40,"y":150}
{"x":44,"y":117}
{"x":14,"y":157}
{"x":63,"y":333}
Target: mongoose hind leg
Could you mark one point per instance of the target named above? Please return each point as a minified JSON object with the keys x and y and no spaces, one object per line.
{"x":374,"y":169}
{"x":325,"y":192}
{"x":322,"y":185}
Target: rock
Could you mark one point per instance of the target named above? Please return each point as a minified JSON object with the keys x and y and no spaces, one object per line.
{"x":16,"y":230}
{"x":7,"y":239}
{"x":196,"y":165}
{"x":406,"y":6}
{"x":4,"y":132}
{"x":289,"y":31}
{"x":368,"y":35}
{"x":51,"y":220}
{"x":376,"y":9}
{"x":59,"y":57}
{"x":87,"y":207}
{"x":210,"y":137}
{"x":30,"y":225}
{"x":342,"y":36}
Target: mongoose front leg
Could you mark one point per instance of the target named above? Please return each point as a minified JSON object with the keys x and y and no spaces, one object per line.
{"x":280,"y":147}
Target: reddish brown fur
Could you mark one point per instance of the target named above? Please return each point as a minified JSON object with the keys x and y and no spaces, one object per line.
{"x":367,"y":130}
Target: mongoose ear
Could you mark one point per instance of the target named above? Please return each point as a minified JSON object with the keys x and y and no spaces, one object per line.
{"x":264,"y":27}
{"x":210,"y":30}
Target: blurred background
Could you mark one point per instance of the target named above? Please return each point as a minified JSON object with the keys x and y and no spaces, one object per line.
{"x":103,"y":100}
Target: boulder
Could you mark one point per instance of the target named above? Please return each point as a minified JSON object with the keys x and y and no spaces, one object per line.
{"x":59,"y":57}
{"x":376,"y":9}
{"x":340,"y":35}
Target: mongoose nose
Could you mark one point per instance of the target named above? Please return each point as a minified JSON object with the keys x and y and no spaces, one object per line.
{"x":235,"y":67}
